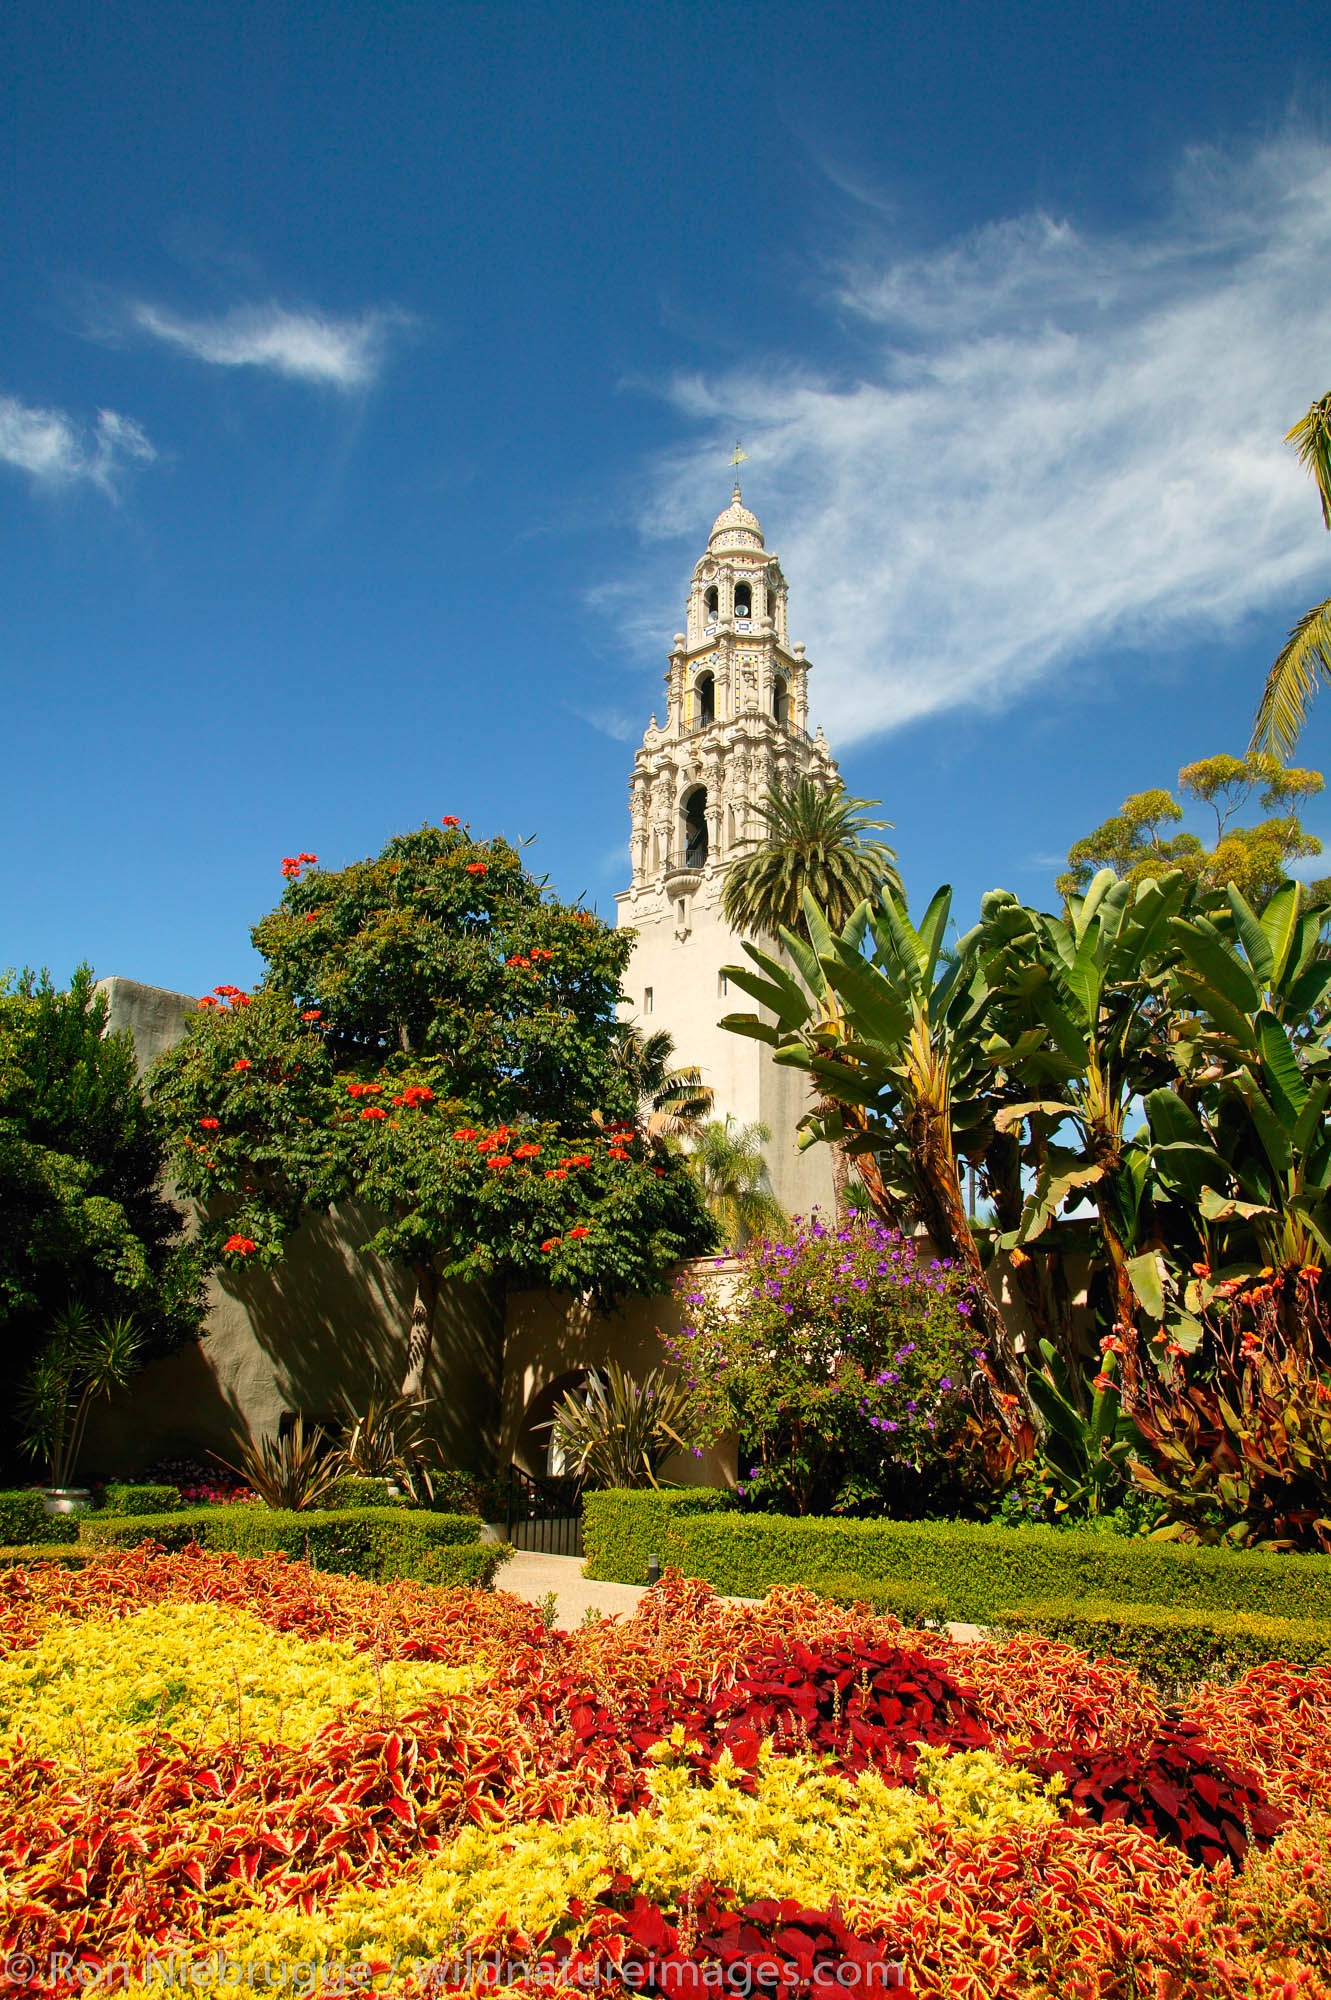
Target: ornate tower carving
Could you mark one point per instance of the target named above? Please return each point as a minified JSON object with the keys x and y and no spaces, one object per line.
{"x":736,"y":723}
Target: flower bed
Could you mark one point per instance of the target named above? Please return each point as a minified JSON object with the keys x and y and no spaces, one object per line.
{"x":242,"y":1763}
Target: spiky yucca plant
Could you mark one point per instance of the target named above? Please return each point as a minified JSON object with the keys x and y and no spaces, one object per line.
{"x":1305,"y":658}
{"x":290,"y":1473}
{"x":620,"y":1432}
{"x":813,"y":843}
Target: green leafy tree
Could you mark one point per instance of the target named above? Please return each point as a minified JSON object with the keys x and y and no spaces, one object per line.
{"x":1137,"y":847}
{"x":814,"y":844}
{"x":1305,"y":658}
{"x":83,"y":1219}
{"x":727,"y":1158}
{"x":434,"y":1036}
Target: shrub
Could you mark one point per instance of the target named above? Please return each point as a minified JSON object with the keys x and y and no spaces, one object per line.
{"x":120,"y":1498}
{"x":356,"y":1492}
{"x":980,"y":1572}
{"x":1173,"y":1646}
{"x":841,"y":1358}
{"x":379,"y":1544}
{"x":23,"y":1518}
{"x":68,"y":1554}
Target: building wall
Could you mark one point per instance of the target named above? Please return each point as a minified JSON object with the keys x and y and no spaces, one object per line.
{"x":328,"y":1324}
{"x":551,"y":1342}
{"x":683,"y":973}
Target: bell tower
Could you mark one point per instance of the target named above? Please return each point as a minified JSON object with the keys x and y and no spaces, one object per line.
{"x":736,"y":723}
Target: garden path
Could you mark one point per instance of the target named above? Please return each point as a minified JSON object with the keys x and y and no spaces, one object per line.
{"x":531,"y":1576}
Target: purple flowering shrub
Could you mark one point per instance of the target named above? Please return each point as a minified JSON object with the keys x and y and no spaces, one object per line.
{"x":842,"y":1359}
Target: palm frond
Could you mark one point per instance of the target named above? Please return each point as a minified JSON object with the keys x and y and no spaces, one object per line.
{"x":727,"y":1158}
{"x":1312,"y":437}
{"x":1303,"y":661}
{"x":813,"y":842}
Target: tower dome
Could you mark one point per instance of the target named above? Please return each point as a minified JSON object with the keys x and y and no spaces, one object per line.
{"x":736,"y":528}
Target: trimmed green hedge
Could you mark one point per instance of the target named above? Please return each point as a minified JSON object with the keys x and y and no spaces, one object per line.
{"x":119,"y":1498}
{"x":1176,"y":1646}
{"x":23,"y":1519}
{"x":69,"y":1555}
{"x":980,"y":1573}
{"x":377,"y":1543}
{"x":352,"y":1492}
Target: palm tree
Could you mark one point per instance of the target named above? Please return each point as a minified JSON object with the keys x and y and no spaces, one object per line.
{"x":1305,"y":658}
{"x":728,"y":1159}
{"x":673,"y":1101}
{"x":814,"y":842}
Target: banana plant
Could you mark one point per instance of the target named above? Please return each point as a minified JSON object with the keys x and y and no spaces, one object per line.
{"x":890,"y":1032}
{"x":1085,"y":1019}
{"x":1084,"y":1454}
{"x":1245,"y":1142}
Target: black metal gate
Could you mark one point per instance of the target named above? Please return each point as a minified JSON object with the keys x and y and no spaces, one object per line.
{"x":544,"y":1515}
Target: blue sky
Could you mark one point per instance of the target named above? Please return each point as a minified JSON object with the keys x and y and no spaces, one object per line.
{"x":369,"y":377}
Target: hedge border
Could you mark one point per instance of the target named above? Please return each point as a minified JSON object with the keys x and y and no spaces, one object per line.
{"x":377,"y":1543}
{"x":979,"y":1572}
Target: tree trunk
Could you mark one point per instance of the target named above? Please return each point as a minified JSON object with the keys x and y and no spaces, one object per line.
{"x":420,"y":1341}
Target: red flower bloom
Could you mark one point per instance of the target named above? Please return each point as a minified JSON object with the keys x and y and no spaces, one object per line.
{"x":660,"y":1173}
{"x":242,"y":1062}
{"x":448,"y":820}
{"x":310,"y":916}
{"x":209,"y":1124}
{"x":476,"y":868}
{"x":551,"y":1243}
{"x":240,"y":1246}
{"x":373,"y":1111}
{"x":465,"y":1134}
{"x":499,"y":1160}
{"x":291,"y":867}
{"x":581,"y":1230}
{"x":555,"y":1174}
{"x":1102,"y":1382}
{"x":207,"y":1000}
{"x":312,"y":1014}
{"x":618,"y":1153}
{"x":418,"y":1093}
{"x":526,"y":1152}
{"x":313,"y":859}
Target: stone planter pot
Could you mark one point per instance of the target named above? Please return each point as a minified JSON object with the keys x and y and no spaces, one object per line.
{"x":66,"y":1500}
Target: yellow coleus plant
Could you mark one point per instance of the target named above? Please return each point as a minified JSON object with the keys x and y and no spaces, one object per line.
{"x":92,"y":1692}
{"x":804,"y":1831}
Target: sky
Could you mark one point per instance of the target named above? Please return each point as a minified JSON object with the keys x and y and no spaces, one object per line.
{"x":369,"y":379}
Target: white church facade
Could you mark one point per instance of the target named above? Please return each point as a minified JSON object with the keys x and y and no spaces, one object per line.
{"x":736,"y":724}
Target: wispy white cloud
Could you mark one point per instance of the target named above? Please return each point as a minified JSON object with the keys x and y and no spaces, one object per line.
{"x":56,"y":450}
{"x":345,"y":354}
{"x":1064,"y":441}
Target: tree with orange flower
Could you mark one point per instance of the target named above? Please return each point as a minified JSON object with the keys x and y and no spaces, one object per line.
{"x":435,"y":1037}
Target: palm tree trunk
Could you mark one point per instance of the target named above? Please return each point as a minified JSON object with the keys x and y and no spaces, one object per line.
{"x":420,"y":1341}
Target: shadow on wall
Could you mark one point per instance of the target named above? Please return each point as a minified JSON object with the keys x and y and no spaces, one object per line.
{"x":552,"y":1341}
{"x":326,"y":1324}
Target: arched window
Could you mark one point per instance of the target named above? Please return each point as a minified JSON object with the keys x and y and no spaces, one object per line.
{"x":780,"y":699}
{"x":743,"y":601}
{"x":771,"y":603}
{"x":695,"y":828}
{"x":704,"y":701}
{"x":713,"y":605}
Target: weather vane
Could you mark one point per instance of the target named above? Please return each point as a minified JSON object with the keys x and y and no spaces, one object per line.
{"x":738,"y":456}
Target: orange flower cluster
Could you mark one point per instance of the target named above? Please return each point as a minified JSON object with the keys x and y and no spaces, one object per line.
{"x":293,"y":863}
{"x":225,"y":996}
{"x":364,"y":1089}
{"x":476,"y":867}
{"x":239,"y":1246}
{"x":414,"y":1094}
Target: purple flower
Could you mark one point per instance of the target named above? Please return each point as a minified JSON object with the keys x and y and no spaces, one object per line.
{"x":946,"y":1383}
